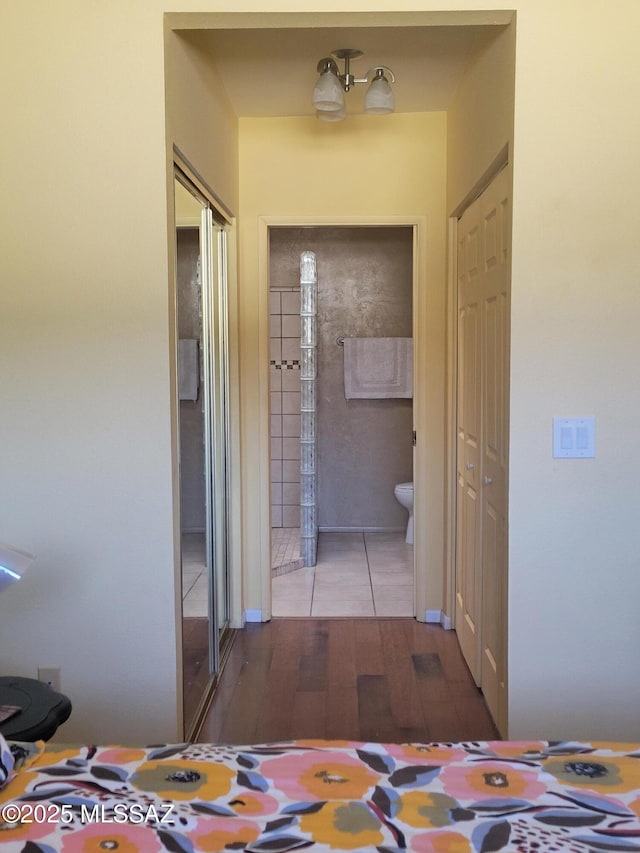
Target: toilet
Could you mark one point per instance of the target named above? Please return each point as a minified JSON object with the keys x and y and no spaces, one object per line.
{"x":404,"y":496}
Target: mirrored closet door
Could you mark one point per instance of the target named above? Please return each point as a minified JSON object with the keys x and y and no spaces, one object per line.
{"x":201,"y":321}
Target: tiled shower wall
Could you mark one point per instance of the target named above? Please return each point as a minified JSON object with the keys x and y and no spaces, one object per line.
{"x":284,"y":376}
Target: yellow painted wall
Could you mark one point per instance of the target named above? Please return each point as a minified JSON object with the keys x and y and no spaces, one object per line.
{"x":480,"y":117}
{"x":200,"y":120}
{"x":574,"y":579}
{"x":84,"y":359}
{"x":365,"y":167}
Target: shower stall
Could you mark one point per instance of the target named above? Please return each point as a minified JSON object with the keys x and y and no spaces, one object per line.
{"x":334,"y":462}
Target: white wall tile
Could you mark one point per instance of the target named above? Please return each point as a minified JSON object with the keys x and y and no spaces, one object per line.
{"x":290,"y":349}
{"x":290,"y":516}
{"x":276,"y":425}
{"x":291,"y":426}
{"x":274,"y":303}
{"x":275,"y":326}
{"x":291,"y":302}
{"x":275,"y":349}
{"x":276,"y":403}
{"x":290,"y":471}
{"x":275,"y":379}
{"x":290,"y":380}
{"x":276,"y":493}
{"x":290,"y":494}
{"x":290,"y":403}
{"x":290,"y":326}
{"x":290,"y":448}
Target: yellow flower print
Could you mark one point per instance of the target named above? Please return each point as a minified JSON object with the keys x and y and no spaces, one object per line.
{"x":491,"y":779}
{"x":337,"y":781}
{"x":426,"y":753}
{"x":183,"y":779}
{"x":596,"y":773}
{"x":343,"y":826}
{"x":54,"y":753}
{"x":518,"y":749}
{"x":421,"y":809}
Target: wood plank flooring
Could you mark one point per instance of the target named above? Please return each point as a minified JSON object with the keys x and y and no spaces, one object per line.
{"x":195,"y":659}
{"x":367,"y":679}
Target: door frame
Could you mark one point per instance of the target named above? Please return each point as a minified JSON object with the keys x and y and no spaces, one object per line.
{"x":421,"y":556}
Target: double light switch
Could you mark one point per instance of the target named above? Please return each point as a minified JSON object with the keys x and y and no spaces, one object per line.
{"x":574,"y":438}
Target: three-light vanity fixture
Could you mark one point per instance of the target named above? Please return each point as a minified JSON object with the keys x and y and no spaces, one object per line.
{"x":328,"y":95}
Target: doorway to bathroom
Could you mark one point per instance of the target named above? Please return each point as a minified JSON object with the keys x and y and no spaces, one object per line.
{"x":365,"y":566}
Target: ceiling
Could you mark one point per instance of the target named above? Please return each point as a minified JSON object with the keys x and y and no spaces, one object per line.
{"x":272,"y":72}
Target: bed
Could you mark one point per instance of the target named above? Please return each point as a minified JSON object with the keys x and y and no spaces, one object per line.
{"x":548,"y":797}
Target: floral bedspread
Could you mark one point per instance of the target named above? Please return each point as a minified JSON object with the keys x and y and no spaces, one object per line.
{"x":322,"y":795}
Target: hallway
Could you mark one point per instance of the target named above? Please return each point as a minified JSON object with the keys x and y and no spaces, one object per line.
{"x":384,"y":680}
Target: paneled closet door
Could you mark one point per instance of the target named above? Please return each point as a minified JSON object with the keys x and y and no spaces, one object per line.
{"x":468,"y":570}
{"x":484,"y":275}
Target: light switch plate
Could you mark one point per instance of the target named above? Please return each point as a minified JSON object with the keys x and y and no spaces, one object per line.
{"x":574,"y":438}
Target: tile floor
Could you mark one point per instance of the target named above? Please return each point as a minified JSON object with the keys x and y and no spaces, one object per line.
{"x":285,"y":550}
{"x":195,"y":593}
{"x":357,"y":574}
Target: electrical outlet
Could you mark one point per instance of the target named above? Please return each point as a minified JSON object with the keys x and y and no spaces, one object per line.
{"x":50,"y":675}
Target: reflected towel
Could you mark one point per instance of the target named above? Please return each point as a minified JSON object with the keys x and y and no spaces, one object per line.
{"x":188,"y":369}
{"x":377,"y":368}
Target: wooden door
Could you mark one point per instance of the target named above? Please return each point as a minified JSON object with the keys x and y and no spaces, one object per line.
{"x":468,"y":572}
{"x":484,"y":274}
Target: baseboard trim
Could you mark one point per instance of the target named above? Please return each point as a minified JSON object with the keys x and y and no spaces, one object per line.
{"x":253,"y":616}
{"x":437,"y":617}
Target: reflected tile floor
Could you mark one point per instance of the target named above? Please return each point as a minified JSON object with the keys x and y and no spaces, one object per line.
{"x":357,"y":574}
{"x":195,"y":591}
{"x":285,"y":550}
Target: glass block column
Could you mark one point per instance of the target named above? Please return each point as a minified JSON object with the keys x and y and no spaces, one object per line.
{"x":308,"y":473}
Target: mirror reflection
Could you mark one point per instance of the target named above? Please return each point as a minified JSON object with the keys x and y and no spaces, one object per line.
{"x":193,"y":524}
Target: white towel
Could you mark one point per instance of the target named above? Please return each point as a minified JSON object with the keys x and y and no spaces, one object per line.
{"x":377,"y":368}
{"x":188,"y":369}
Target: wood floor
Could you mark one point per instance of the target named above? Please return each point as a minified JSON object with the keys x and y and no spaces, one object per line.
{"x":195,"y":663}
{"x":369,"y":679}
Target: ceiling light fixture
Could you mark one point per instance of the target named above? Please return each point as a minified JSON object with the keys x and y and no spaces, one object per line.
{"x":328,"y":95}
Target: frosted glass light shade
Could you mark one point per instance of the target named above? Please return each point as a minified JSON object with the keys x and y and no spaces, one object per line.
{"x":331,"y":115}
{"x":13,"y":564}
{"x":328,"y":94}
{"x":379,"y":99}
